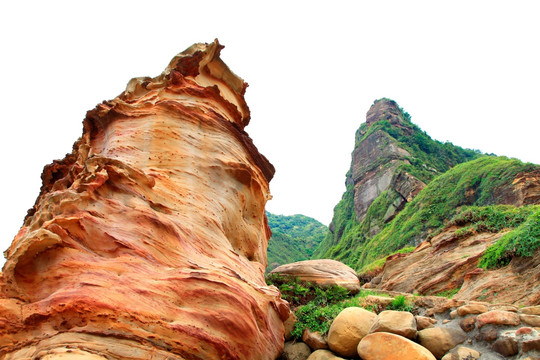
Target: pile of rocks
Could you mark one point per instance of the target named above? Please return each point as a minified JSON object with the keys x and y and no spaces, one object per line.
{"x":442,"y":329}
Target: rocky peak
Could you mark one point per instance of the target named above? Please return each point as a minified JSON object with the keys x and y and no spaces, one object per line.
{"x":377,"y":159}
{"x":385,"y":109}
{"x":392,"y":161}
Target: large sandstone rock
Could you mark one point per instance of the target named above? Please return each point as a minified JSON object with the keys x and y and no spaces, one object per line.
{"x":471,"y":309}
{"x":149,"y":239}
{"x":440,"y":340}
{"x":396,"y":322}
{"x":324,"y":272}
{"x":323,"y":355}
{"x":386,"y":346}
{"x":496,"y":317}
{"x":348,"y":328}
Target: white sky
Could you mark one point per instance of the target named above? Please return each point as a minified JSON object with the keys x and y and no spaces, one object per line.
{"x":466,"y":71}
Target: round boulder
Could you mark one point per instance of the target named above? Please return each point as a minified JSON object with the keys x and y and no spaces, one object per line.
{"x":348,"y":328}
{"x":440,"y":340}
{"x":386,"y":346}
{"x":396,"y":322}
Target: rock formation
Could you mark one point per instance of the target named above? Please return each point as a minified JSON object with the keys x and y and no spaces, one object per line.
{"x":322,"y":272}
{"x":149,"y":239}
{"x":450,"y":261}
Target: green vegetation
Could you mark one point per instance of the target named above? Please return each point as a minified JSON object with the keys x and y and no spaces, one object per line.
{"x":400,"y":303}
{"x":480,"y":182}
{"x":448,"y":293}
{"x":319,"y":318}
{"x":316,"y":307}
{"x":522,"y":241}
{"x":377,"y":265}
{"x":298,"y":292}
{"x":294,"y":238}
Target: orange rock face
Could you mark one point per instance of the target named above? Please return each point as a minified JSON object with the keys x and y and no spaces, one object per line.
{"x":149,"y":239}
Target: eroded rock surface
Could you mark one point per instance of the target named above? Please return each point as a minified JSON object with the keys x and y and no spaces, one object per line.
{"x":149,"y":239}
{"x":450,"y":261}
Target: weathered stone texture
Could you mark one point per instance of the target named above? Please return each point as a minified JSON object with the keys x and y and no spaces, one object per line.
{"x":149,"y":239}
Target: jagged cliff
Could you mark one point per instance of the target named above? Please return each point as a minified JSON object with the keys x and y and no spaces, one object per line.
{"x":392,"y":162}
{"x":149,"y":240}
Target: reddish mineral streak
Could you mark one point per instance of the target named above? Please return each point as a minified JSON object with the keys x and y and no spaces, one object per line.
{"x":149,"y":240}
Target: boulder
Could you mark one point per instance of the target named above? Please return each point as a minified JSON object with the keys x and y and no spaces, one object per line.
{"x":488,"y":333}
{"x":387,"y":346}
{"x":506,"y":346}
{"x":396,"y":322}
{"x":348,"y":328}
{"x":323,"y":355}
{"x":531,"y":320}
{"x":424,"y":322}
{"x":471,"y":309}
{"x":462,"y":353}
{"x":530,"y":345}
{"x":531,"y":310}
{"x":524,"y":331}
{"x":314,"y":339}
{"x":440,"y":340}
{"x":503,"y":307}
{"x":497,"y":317}
{"x":295,"y":351}
{"x":468,"y":324}
{"x":323,"y":272}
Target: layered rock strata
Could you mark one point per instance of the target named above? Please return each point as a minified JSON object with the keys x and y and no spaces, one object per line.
{"x":149,"y":240}
{"x":449,"y":262}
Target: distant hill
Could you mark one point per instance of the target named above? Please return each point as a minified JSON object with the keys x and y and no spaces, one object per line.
{"x":294,"y":238}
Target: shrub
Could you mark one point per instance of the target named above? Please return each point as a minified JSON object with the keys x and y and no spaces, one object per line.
{"x":400,"y":303}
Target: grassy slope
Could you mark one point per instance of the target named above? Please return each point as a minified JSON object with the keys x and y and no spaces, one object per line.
{"x":476,"y":183}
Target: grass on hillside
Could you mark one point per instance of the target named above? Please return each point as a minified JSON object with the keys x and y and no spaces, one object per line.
{"x":478,"y":182}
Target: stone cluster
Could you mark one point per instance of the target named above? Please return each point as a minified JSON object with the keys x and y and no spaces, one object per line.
{"x":442,"y":329}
